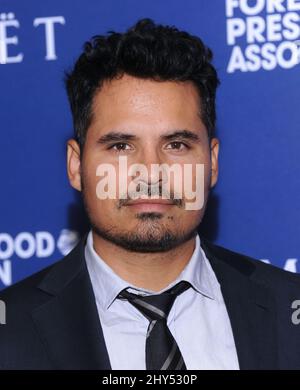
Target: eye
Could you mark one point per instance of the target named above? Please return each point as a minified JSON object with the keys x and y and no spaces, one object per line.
{"x":177,"y":145}
{"x":119,"y":147}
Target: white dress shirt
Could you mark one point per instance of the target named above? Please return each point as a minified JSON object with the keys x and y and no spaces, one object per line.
{"x":198,"y":319}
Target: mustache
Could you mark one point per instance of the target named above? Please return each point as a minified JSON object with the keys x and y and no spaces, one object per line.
{"x":149,"y":191}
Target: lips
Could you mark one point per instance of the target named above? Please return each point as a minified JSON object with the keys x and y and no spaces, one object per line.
{"x":149,"y":201}
{"x":150,"y":205}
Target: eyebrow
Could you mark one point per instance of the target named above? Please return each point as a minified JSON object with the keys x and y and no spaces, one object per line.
{"x":182,"y":134}
{"x":116,"y":136}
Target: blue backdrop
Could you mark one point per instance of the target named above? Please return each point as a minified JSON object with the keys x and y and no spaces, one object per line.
{"x":255,"y":206}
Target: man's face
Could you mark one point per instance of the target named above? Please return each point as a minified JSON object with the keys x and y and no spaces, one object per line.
{"x":137,"y":118}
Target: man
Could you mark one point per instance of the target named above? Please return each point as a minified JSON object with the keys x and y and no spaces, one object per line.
{"x":142,"y":290}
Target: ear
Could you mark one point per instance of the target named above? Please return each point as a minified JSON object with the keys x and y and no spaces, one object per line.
{"x":73,"y":164}
{"x":214,"y":152}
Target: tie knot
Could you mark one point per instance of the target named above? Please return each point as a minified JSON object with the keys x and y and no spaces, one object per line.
{"x":155,"y":307}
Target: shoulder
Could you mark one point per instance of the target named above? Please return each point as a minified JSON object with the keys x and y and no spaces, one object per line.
{"x":257,"y":269}
{"x":19,"y":333}
{"x":32,"y":290}
{"x":25,"y":293}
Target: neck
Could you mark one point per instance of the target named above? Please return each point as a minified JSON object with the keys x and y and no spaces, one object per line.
{"x":151,"y":271}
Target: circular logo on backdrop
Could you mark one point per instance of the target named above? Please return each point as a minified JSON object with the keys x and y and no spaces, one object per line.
{"x":67,"y":241}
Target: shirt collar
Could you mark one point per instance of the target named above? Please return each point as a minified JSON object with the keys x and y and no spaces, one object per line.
{"x":107,"y":284}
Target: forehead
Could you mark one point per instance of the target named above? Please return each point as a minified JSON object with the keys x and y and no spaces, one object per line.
{"x":129,"y":98}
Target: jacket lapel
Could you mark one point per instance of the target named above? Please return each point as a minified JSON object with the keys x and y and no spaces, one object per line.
{"x":250,"y":306}
{"x":68,"y":323}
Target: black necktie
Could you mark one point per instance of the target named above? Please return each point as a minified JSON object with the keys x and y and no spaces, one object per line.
{"x":162,"y":351}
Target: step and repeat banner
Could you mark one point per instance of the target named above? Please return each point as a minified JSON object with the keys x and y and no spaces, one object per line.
{"x":254,"y":208}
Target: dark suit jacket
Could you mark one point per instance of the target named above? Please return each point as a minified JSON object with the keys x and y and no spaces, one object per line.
{"x":52,"y":319}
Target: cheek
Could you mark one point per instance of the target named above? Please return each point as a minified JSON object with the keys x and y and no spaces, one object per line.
{"x":207,"y":173}
{"x":207,"y":168}
{"x":90,"y":166}
{"x":188,"y":220}
{"x":197,"y":173}
{"x":90,"y":181}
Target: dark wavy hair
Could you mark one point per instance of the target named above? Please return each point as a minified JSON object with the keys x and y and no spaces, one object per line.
{"x":146,"y":50}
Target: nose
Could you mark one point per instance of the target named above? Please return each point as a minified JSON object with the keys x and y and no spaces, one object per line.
{"x":149,"y":160}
